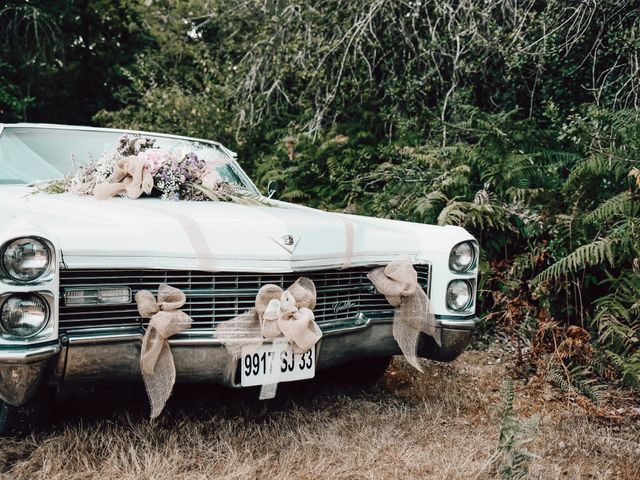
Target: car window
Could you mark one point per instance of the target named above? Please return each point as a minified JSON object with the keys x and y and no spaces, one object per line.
{"x":30,"y":154}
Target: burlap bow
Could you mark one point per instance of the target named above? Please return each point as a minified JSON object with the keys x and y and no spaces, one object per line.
{"x":277,"y":312}
{"x":289,"y":313}
{"x":156,"y":361}
{"x":398,"y":282}
{"x":282,"y":316}
{"x":130,"y":176}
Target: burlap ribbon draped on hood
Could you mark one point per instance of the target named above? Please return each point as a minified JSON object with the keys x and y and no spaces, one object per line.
{"x":130,"y":176}
{"x":277,"y":313}
{"x":398,"y":282}
{"x":156,"y":361}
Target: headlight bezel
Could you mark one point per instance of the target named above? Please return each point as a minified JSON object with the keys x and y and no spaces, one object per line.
{"x":474,"y":259}
{"x":46,"y":276}
{"x":44,"y":297}
{"x":468,"y":306}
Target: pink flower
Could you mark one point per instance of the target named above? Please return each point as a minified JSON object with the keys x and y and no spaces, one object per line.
{"x":155,"y":158}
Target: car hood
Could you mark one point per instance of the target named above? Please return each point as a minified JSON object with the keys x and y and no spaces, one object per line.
{"x":153,"y":233}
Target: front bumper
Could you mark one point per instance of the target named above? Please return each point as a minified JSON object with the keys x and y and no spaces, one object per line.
{"x":23,"y":369}
{"x":113,"y":356}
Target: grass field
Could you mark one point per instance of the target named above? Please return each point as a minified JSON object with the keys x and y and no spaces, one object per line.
{"x":442,"y":425}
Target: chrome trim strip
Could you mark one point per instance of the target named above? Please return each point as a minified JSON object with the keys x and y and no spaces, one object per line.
{"x":207,"y":336}
{"x":54,"y":126}
{"x":468,"y":324}
{"x":83,"y":339}
{"x":198,"y":337}
{"x":471,"y":316}
{"x":115,"y":329}
{"x":368,"y":322}
{"x":29,"y":354}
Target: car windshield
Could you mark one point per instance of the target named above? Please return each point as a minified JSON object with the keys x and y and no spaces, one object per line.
{"x":32,"y":154}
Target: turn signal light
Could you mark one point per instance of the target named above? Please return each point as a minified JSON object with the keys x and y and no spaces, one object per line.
{"x":96,"y":296}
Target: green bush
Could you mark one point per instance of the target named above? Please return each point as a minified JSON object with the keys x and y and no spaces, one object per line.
{"x":516,"y":120}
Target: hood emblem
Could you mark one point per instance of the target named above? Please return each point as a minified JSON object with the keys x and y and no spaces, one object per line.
{"x":342,"y":306}
{"x":288,"y":242}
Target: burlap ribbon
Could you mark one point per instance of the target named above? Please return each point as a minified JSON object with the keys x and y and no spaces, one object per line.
{"x":398,"y":282}
{"x":289,"y":313}
{"x":130,"y":176}
{"x":282,"y":316}
{"x":156,"y":361}
{"x":277,"y":313}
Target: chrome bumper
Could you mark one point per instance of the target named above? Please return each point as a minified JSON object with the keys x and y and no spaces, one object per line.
{"x":113,"y":356}
{"x":23,"y":369}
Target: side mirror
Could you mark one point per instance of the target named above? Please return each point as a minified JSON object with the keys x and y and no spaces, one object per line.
{"x":272,"y":188}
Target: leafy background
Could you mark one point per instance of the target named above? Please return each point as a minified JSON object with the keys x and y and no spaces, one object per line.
{"x":516,"y":119}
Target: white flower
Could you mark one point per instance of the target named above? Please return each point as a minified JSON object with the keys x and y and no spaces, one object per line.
{"x":105,"y":165}
{"x":213,"y":157}
{"x":182,"y":150}
{"x":211,"y":180}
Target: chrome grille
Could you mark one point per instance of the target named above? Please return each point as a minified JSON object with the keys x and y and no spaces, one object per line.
{"x":216,"y":297}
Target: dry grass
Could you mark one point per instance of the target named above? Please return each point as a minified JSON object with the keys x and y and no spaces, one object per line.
{"x":442,"y":425}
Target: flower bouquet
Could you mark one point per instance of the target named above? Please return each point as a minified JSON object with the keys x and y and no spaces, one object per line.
{"x":137,"y":168}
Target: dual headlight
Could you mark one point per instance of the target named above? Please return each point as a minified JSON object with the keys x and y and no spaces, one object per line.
{"x":459,"y":295}
{"x":462,"y":259}
{"x":23,"y":315}
{"x":25,"y":261}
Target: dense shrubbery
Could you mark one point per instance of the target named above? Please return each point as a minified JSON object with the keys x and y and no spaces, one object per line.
{"x":557,"y":218}
{"x":518,"y":120}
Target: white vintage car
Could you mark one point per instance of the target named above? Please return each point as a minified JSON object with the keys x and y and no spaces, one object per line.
{"x":71,"y":265}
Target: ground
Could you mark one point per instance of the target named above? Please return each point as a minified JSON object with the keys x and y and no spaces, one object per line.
{"x":444,"y":424}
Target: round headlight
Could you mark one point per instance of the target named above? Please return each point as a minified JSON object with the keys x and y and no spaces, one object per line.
{"x":462,"y":257}
{"x":26,"y":259}
{"x":459,"y":295}
{"x":24,"y":314}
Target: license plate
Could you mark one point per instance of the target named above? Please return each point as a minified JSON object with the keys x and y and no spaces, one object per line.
{"x":265,"y":366}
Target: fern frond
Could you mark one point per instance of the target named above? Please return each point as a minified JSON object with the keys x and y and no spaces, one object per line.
{"x":518,"y":194}
{"x":618,"y":313}
{"x":594,"y":166}
{"x":620,"y":204}
{"x":594,"y":253}
{"x":295,"y":195}
{"x":579,"y":380}
{"x":452,"y":214}
{"x":425,"y":204}
{"x":561,"y":157}
{"x":513,"y":460}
